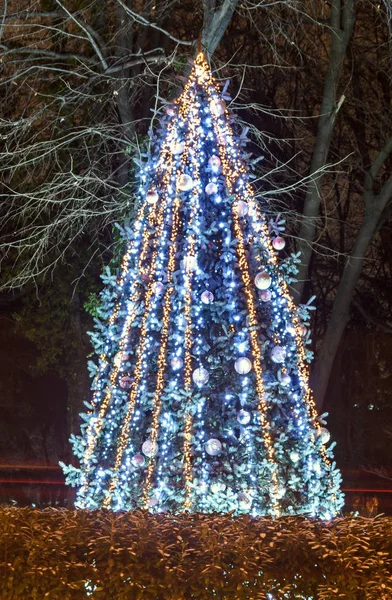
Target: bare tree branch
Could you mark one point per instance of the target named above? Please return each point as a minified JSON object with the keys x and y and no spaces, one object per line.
{"x":342,"y":23}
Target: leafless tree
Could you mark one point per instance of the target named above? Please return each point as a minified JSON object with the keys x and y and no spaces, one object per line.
{"x":79,"y":83}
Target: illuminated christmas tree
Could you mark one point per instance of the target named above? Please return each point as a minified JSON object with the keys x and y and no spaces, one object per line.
{"x":201,"y":399}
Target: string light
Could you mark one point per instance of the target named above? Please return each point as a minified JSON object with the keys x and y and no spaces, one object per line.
{"x":159,"y":313}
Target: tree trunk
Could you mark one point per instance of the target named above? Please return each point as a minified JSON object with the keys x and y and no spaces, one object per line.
{"x":376,"y":206}
{"x":342,"y":22}
{"x":215,"y":23}
{"x":341,"y":306}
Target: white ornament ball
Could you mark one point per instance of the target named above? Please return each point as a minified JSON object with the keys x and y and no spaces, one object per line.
{"x":119,"y":358}
{"x":157,"y":287}
{"x":125,"y":383}
{"x":262,"y":280}
{"x":170,"y":110}
{"x":278,"y":243}
{"x":303,"y":330}
{"x":138,"y":460}
{"x":176,"y":363}
{"x":207,"y":297}
{"x":243,"y":365}
{"x":217,"y":107}
{"x":284,"y":378}
{"x":185,"y":183}
{"x":265,"y":296}
{"x":152,"y":502}
{"x":290,"y":328}
{"x":213,"y":447}
{"x":325,"y":435}
{"x":178,"y":147}
{"x":211,"y":188}
{"x":294,"y":456}
{"x":214,"y":162}
{"x":200,"y":376}
{"x":150,"y":448}
{"x":241,"y":208}
{"x":244,"y":500}
{"x":152,"y":196}
{"x":243,"y":417}
{"x":280,"y":491}
{"x":190,"y":262}
{"x":278,"y":354}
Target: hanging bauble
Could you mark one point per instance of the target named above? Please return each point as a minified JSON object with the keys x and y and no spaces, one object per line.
{"x":303,"y":330}
{"x":244,"y":500}
{"x":207,"y":297}
{"x":150,"y":448}
{"x":280,"y":491}
{"x":211,"y":188}
{"x":290,"y":328}
{"x":190,"y":262}
{"x":262,"y":280}
{"x":200,"y":376}
{"x":265,"y":295}
{"x":325,"y":435}
{"x":278,"y":354}
{"x":185,"y":183}
{"x":178,"y":147}
{"x":138,"y":460}
{"x":241,"y":208}
{"x":242,"y":365}
{"x":294,"y":456}
{"x":278,"y":243}
{"x":119,"y":358}
{"x":217,"y":107}
{"x":176,"y":363}
{"x":152,"y":196}
{"x":214,"y":162}
{"x":157,"y":287}
{"x":151,"y":502}
{"x":243,"y":417}
{"x":213,"y":447}
{"x":125,"y":383}
{"x":170,"y":110}
{"x":284,"y":377}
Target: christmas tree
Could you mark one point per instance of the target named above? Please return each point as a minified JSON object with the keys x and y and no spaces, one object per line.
{"x":200,"y":397}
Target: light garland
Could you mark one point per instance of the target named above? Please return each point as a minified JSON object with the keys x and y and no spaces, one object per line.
{"x":198,"y":219}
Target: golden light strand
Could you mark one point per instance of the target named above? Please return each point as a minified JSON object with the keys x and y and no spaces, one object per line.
{"x":138,"y":371}
{"x":256,"y":353}
{"x":188,"y":471}
{"x":230,"y":172}
{"x":302,"y":366}
{"x":96,"y":424}
{"x":162,"y":358}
